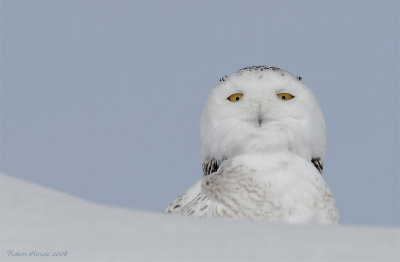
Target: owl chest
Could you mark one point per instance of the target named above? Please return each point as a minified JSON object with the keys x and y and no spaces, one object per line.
{"x":247,"y":197}
{"x":254,"y":196}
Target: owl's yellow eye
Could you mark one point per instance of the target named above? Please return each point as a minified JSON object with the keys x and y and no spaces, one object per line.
{"x":235,"y":97}
{"x":285,"y":96}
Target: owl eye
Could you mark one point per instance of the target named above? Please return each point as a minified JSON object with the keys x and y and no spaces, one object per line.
{"x":285,"y":96}
{"x":235,"y":97}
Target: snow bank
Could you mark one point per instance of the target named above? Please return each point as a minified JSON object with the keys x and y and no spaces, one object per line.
{"x":37,"y":223}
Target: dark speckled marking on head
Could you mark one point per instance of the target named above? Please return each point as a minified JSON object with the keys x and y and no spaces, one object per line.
{"x":260,"y":68}
{"x":223,"y":78}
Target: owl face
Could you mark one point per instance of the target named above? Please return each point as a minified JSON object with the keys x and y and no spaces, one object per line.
{"x":258,"y":110}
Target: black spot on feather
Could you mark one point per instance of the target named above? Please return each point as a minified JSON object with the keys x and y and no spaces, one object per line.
{"x":318,"y":164}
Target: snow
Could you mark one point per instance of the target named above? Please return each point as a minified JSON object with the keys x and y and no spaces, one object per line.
{"x":35,"y":220}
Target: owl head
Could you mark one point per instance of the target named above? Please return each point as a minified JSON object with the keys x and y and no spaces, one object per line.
{"x":261,"y":109}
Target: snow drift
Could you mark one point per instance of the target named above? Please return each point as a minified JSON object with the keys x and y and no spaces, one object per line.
{"x":37,"y":224}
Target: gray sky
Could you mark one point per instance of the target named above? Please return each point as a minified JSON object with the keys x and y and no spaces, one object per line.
{"x":103,"y":100}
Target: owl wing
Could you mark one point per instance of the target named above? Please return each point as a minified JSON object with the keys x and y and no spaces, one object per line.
{"x":177,"y":206}
{"x":193,"y":202}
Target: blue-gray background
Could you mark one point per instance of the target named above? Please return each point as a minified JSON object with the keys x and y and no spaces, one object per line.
{"x":102,"y":100}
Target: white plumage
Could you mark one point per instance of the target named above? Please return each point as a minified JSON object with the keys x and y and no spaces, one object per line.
{"x":263,"y":142}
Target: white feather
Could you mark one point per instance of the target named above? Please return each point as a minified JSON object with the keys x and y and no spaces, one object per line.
{"x":267,"y":145}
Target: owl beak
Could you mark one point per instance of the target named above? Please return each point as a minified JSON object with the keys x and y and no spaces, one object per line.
{"x":260,"y":119}
{"x":260,"y":115}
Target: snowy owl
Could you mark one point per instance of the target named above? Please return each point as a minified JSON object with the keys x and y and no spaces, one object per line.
{"x":262,"y":142}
